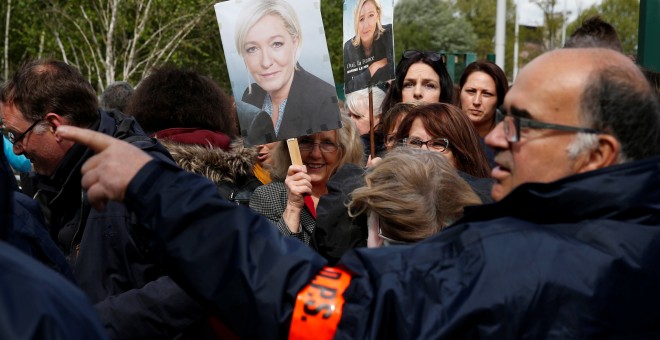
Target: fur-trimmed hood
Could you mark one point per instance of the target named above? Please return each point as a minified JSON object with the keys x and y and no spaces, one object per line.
{"x":214,"y":163}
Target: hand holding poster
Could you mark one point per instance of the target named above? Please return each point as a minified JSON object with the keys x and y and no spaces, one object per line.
{"x":283,"y":88}
{"x":369,"y":46}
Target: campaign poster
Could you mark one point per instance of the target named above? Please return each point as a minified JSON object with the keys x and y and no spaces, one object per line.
{"x":279,"y":67}
{"x":368,"y":43}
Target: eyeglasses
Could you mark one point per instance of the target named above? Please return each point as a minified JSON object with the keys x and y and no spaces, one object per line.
{"x":325,"y":146}
{"x":12,"y":138}
{"x":388,"y":241}
{"x":430,"y":55}
{"x":513,"y":124}
{"x":436,"y":144}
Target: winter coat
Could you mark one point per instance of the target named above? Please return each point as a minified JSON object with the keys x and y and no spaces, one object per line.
{"x":312,"y":106}
{"x":108,"y":249}
{"x":270,"y":201}
{"x":576,"y":258}
{"x":231,"y":171}
{"x":35,"y":301}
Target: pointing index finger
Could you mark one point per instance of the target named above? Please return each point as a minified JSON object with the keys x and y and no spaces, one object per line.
{"x":94,"y":140}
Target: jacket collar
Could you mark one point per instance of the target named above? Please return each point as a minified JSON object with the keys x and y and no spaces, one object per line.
{"x":629,"y":191}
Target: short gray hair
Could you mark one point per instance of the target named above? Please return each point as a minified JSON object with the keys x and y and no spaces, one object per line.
{"x":360,"y":97}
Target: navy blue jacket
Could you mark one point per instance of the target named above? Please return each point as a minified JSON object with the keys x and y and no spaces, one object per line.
{"x":575,"y":258}
{"x":108,"y":249}
{"x":36,"y":302}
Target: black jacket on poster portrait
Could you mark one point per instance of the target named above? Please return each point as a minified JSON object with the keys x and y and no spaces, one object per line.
{"x":310,"y":107}
{"x":358,"y":79}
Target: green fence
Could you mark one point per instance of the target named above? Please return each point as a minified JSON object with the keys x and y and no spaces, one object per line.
{"x":648,"y":54}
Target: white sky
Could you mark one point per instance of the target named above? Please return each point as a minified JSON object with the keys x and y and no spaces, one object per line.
{"x":532,"y":15}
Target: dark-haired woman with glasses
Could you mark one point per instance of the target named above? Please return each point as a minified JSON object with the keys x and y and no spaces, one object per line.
{"x":290,"y":201}
{"x":445,"y":129}
{"x":421,"y":76}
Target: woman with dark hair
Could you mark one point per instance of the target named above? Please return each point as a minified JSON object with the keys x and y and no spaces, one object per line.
{"x":483,"y":86}
{"x":444,"y":128}
{"x":420,"y":76}
{"x":193,"y":118}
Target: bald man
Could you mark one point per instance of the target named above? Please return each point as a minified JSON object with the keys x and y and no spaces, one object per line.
{"x":569,"y":251}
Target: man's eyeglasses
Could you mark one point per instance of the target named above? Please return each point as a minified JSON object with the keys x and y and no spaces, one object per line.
{"x":12,"y":137}
{"x":325,"y":146}
{"x":436,"y":144}
{"x":513,"y":124}
{"x":430,"y":55}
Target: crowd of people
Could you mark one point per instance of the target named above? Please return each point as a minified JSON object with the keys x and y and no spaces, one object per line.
{"x":499,"y":211}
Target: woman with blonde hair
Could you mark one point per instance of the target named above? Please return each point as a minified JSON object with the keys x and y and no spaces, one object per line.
{"x":290,"y":201}
{"x":368,"y":56}
{"x":291,"y":100}
{"x":410,"y":195}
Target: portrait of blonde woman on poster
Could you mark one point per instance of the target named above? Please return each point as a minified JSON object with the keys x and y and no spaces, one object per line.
{"x":369,"y":53}
{"x":266,"y":53}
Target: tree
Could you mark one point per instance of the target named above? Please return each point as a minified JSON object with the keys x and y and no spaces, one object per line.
{"x":622,"y":14}
{"x":553,"y":22}
{"x":431,"y":25}
{"x":124,"y":39}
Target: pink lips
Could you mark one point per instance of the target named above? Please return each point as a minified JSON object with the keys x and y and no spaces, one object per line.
{"x":269,"y":75}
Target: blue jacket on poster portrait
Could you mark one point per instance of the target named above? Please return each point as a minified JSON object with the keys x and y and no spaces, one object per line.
{"x":574,"y":258}
{"x":311,"y":106}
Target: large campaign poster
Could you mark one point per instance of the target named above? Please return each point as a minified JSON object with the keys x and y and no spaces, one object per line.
{"x":368,"y":43}
{"x":279,"y":67}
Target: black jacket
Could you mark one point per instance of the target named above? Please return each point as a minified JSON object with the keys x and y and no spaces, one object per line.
{"x":108,"y":249}
{"x":356,"y":64}
{"x":311,"y":107}
{"x":575,"y":258}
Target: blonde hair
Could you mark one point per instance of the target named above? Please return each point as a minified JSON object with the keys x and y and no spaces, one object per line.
{"x":350,"y":150}
{"x":356,"y":21}
{"x":415,"y":193}
{"x":258,"y":9}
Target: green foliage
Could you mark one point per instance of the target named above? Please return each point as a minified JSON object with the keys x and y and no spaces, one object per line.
{"x":622,"y":14}
{"x":431,"y":25}
{"x":332,"y":13}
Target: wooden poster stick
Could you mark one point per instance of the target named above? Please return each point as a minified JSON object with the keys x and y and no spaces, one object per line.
{"x":371,"y":124}
{"x":294,"y":151}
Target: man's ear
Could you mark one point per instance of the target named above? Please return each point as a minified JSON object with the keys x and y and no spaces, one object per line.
{"x":606,"y":154}
{"x":55,"y":120}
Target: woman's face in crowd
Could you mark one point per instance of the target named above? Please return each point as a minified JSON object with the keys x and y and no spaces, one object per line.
{"x":418,"y":131}
{"x":390,"y":137}
{"x":264,"y":153}
{"x":421,"y":84}
{"x":368,"y":23}
{"x":269,"y":53}
{"x":361,"y":117}
{"x":320,"y":164}
{"x":479,"y":98}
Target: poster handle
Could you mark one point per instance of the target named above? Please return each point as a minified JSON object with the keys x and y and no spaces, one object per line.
{"x":294,"y":151}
